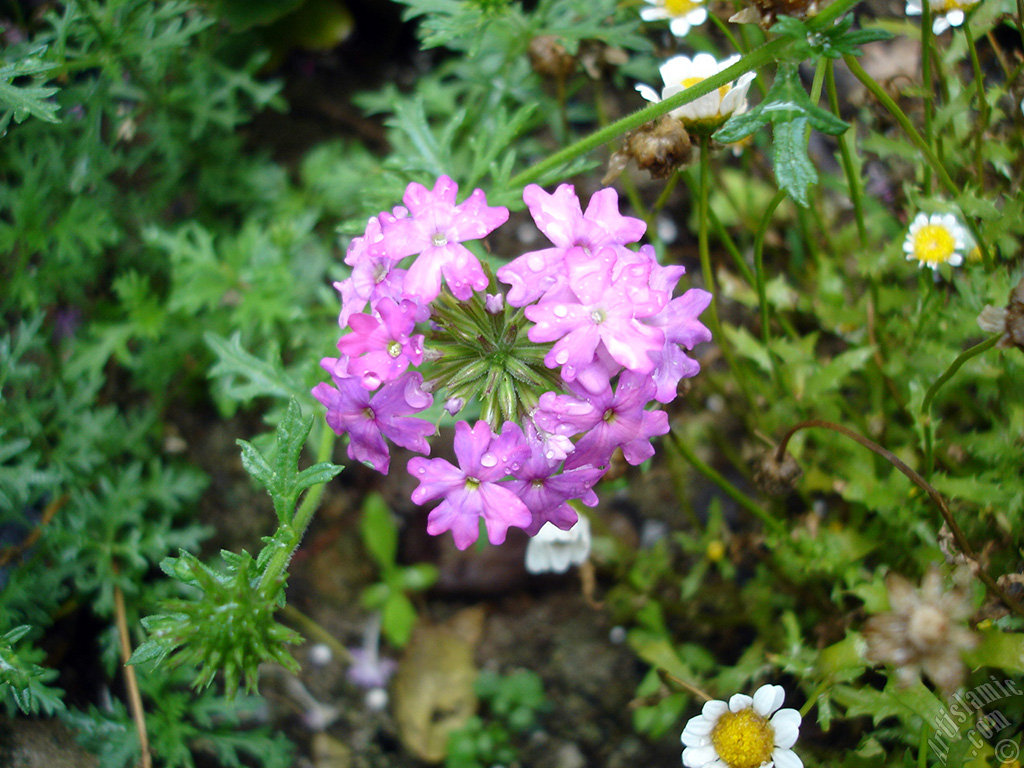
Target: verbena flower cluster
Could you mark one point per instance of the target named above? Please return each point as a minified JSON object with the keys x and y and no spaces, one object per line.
{"x":548,"y":377}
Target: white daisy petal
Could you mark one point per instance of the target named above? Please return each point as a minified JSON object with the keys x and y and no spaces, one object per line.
{"x":698,"y":727}
{"x":739,"y":701}
{"x":768,"y":698}
{"x":787,"y":758}
{"x":699,"y":756}
{"x":714,"y":709}
{"x":786,"y":724}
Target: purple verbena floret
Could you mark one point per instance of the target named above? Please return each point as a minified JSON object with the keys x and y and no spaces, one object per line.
{"x":473,"y":489}
{"x":368,"y":418}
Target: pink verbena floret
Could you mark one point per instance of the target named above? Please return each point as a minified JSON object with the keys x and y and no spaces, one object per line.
{"x":381,"y":348}
{"x":435,"y":229}
{"x":560,"y":218}
{"x":368,"y":420}
{"x":473,"y":489}
{"x":605,"y":298}
{"x":607,"y":421}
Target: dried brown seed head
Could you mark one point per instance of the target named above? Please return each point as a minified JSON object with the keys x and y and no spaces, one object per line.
{"x":549,"y":58}
{"x":775,"y":477}
{"x":658,"y":147}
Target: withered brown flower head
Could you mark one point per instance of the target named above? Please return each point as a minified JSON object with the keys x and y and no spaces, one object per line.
{"x":1008,"y":320}
{"x":764,"y":13}
{"x":774,"y":477}
{"x":549,"y":58}
{"x":924,"y":633}
{"x":658,"y":147}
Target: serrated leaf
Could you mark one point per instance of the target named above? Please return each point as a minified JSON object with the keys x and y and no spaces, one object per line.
{"x":794,"y":170}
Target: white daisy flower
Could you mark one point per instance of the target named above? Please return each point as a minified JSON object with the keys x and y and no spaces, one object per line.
{"x":741,"y":735}
{"x":936,"y":239}
{"x":683,"y":14}
{"x":554,"y":550}
{"x":710,"y":110}
{"x":945,"y":13}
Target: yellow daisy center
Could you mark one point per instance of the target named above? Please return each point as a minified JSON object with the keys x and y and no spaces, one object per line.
{"x":743,"y":739}
{"x":689,"y":82}
{"x":679,"y":7}
{"x":934,"y":244}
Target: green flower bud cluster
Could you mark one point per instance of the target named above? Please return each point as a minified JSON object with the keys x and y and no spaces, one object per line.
{"x":230,"y":627}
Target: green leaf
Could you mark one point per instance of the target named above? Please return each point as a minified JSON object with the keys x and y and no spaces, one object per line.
{"x":21,"y":101}
{"x":794,"y":170}
{"x":280,"y":474}
{"x":379,"y":532}
{"x":790,"y":111}
{"x":398,"y":619}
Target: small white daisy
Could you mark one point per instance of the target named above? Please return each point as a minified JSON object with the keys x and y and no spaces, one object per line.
{"x":554,"y":550}
{"x":684,"y":14}
{"x":936,"y":239}
{"x":741,"y":735}
{"x":710,"y":110}
{"x":945,"y":13}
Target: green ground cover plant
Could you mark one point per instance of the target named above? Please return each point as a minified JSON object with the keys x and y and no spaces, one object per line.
{"x":833,"y":397}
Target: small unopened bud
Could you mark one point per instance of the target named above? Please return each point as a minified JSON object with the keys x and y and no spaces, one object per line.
{"x":549,"y":58}
{"x":775,"y":477}
{"x":494,"y":303}
{"x":658,"y":147}
{"x":453,"y":405}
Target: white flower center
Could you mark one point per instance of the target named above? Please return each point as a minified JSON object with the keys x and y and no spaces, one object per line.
{"x":927,"y":626}
{"x":438,"y":239}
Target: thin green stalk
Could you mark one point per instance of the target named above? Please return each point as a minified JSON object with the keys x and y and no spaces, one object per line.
{"x":929,"y":397}
{"x":724,"y":237}
{"x":728,"y":488}
{"x":280,"y":558}
{"x":759,"y":57}
{"x":762,"y":295}
{"x":983,"y":116}
{"x":926,"y":79}
{"x":823,"y":686}
{"x":714,"y":324}
{"x":917,"y":140}
{"x":852,"y":180}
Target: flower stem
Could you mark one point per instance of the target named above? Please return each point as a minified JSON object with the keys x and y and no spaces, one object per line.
{"x":926,"y":79}
{"x":131,"y":683}
{"x":760,"y":56}
{"x":762,"y":295}
{"x":982,"y":124}
{"x":929,"y":396}
{"x":728,"y":488}
{"x":917,"y":140}
{"x":958,"y":535}
{"x":279,"y":559}
{"x":852,"y":181}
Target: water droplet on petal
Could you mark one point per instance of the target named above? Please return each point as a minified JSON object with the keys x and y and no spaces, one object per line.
{"x":422,"y":470}
{"x":535,"y":262}
{"x":560,"y":310}
{"x":562,"y":357}
{"x":488,"y":459}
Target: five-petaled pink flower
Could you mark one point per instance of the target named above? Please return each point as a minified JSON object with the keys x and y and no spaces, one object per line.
{"x":381,"y":350}
{"x":435,"y":229}
{"x":473,"y":489}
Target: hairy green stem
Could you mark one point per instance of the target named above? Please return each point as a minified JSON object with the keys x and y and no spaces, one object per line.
{"x":760,"y":56}
{"x":279,"y":559}
{"x":958,"y":535}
